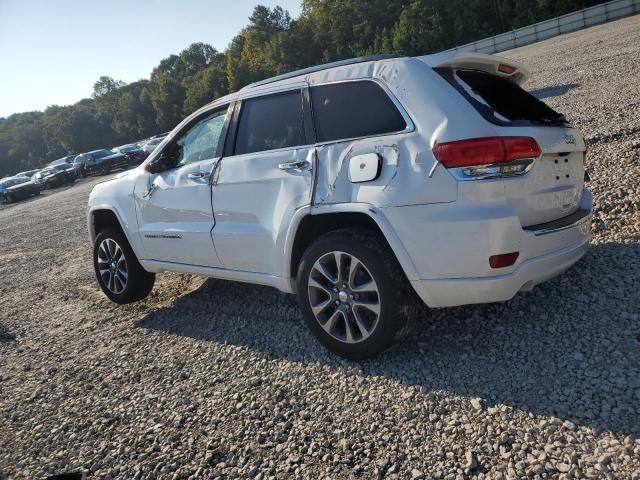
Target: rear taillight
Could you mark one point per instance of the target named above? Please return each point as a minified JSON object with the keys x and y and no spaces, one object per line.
{"x":490,"y":156}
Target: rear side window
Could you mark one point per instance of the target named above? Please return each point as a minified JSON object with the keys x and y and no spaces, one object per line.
{"x":353,"y":109}
{"x":500,"y":100}
{"x":269,"y":123}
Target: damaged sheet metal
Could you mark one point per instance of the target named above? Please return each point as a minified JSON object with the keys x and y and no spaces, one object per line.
{"x":403,"y":180}
{"x":409,"y":173}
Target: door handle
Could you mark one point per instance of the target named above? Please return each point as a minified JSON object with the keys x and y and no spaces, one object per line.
{"x":295,"y":165}
{"x":197,"y":176}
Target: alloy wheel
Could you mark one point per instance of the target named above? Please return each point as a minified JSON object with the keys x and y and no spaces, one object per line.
{"x":112,"y":266}
{"x":344,"y":297}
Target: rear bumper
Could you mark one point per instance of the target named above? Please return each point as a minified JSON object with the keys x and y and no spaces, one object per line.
{"x":450,"y":248}
{"x":463,"y":291}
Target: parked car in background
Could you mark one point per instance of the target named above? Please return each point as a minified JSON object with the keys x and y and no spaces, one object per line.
{"x":99,"y":162}
{"x":64,"y":160}
{"x":134,"y":153}
{"x":54,"y":176}
{"x":16,"y":188}
{"x":360,"y":186}
{"x":28,"y":173}
{"x":151,"y":145}
{"x":69,"y":168}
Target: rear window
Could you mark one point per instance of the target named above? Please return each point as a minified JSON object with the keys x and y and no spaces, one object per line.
{"x":352,"y":110}
{"x":269,"y":123}
{"x":500,"y":100}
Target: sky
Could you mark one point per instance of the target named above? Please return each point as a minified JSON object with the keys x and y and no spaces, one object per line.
{"x":52,"y":52}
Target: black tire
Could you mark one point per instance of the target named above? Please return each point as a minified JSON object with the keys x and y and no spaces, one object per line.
{"x":139,"y":282}
{"x":10,"y":198}
{"x":398,"y":305}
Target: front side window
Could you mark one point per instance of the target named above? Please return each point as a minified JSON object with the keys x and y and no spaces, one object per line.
{"x":201,"y":141}
{"x":270,"y":122}
{"x":352,"y":110}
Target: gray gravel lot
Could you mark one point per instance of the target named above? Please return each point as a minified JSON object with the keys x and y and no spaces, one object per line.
{"x":209,"y":379}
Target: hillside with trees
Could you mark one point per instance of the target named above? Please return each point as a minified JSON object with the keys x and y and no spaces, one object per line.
{"x":271,"y":43}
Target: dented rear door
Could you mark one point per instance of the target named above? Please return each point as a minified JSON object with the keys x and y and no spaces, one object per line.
{"x":258,"y":187}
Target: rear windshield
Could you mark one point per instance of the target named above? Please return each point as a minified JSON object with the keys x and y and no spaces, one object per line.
{"x":500,"y":100}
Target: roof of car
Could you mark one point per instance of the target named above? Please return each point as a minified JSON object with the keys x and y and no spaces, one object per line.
{"x":318,"y":68}
{"x":449,"y":59}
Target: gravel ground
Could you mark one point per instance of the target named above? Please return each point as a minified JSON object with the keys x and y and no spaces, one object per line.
{"x":209,"y":379}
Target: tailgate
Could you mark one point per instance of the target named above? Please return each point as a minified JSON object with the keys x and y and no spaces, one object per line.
{"x":553,"y":186}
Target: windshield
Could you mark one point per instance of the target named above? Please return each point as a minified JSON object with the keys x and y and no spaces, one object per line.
{"x":125,"y":149}
{"x":102,"y":153}
{"x":14,"y":181}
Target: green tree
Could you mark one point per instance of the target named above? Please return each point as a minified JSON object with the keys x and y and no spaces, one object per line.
{"x":270,"y":44}
{"x":206,"y":86}
{"x":167,"y":96}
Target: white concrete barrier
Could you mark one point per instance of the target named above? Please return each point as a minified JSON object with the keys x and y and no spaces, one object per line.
{"x":570,"y":22}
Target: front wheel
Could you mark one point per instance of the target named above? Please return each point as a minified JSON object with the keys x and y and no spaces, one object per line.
{"x":118,"y":271}
{"x":354,"y":295}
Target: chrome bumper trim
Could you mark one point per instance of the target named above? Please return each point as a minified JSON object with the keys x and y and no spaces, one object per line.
{"x":578,"y":218}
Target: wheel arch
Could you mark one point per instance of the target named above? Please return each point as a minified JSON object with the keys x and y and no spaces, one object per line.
{"x":102,"y":216}
{"x":317,"y":221}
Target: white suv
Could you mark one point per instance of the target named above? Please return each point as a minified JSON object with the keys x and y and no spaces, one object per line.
{"x":359,"y":185}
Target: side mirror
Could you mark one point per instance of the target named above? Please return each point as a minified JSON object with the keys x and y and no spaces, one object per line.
{"x":166,"y":160}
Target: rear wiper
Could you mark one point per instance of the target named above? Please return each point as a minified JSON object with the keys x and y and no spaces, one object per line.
{"x":558,"y":119}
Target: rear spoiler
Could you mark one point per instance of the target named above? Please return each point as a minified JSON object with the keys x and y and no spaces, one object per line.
{"x":503,"y":67}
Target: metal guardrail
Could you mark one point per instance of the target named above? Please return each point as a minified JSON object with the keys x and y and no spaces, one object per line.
{"x":569,"y":22}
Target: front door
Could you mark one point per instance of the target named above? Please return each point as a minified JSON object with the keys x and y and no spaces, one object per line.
{"x":175,"y":216}
{"x":262,"y":182}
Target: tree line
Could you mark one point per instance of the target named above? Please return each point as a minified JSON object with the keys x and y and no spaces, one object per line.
{"x":272,"y":43}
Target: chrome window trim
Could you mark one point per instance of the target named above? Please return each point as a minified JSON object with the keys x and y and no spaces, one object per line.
{"x":300,"y":86}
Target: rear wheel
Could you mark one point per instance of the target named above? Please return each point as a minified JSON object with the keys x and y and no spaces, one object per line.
{"x":118,"y":271}
{"x":354,"y":296}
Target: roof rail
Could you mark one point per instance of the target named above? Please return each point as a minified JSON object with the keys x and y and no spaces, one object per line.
{"x":318,"y":68}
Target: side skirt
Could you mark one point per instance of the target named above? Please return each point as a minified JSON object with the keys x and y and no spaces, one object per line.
{"x":221,"y":273}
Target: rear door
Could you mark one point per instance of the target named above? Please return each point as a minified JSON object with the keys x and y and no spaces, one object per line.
{"x":266,"y":176}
